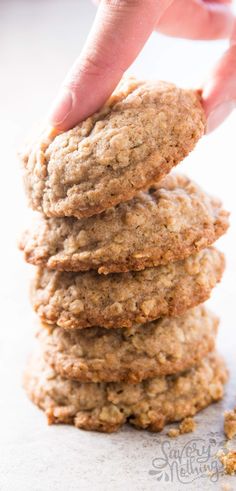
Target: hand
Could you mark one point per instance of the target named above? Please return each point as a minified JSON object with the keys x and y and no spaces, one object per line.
{"x":118,"y":34}
{"x":219,"y":94}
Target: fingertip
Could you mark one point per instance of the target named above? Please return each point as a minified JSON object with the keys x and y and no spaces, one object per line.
{"x":61,"y":110}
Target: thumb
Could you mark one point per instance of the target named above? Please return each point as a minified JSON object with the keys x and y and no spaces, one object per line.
{"x":120,"y":30}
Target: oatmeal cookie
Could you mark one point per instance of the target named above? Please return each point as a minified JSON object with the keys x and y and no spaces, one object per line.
{"x":143,"y":131}
{"x":151,"y":404}
{"x":77,"y":300}
{"x":165,"y":346}
{"x":171,"y":221}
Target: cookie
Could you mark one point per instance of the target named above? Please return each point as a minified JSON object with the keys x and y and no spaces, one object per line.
{"x":150,"y":404}
{"x":143,"y":131}
{"x":165,"y":346}
{"x":171,"y":221}
{"x":76,"y":300}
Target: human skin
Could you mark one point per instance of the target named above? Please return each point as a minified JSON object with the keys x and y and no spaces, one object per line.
{"x":121,"y":29}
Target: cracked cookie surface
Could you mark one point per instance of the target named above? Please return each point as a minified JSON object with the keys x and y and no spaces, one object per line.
{"x":171,"y":221}
{"x":143,"y":131}
{"x":77,"y":300}
{"x":150,"y":404}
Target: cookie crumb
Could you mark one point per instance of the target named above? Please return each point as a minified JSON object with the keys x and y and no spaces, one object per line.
{"x":188,"y":425}
{"x":230,"y":423}
{"x":173,"y":432}
{"x":228,"y":460}
{"x":226,"y":487}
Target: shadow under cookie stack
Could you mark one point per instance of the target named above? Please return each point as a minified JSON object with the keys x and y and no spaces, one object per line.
{"x":124,"y":260}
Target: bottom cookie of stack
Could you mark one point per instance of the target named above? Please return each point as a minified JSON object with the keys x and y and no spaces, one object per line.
{"x":150,"y":404}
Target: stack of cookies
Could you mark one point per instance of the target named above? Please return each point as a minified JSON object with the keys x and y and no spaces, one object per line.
{"x":124,"y":262}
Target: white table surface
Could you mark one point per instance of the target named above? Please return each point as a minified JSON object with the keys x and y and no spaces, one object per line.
{"x":38,"y":42}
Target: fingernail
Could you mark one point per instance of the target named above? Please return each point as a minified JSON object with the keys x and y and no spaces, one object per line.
{"x":62,"y":107}
{"x":218,"y":114}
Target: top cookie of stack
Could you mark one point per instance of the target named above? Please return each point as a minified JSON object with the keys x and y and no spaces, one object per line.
{"x":143,"y":131}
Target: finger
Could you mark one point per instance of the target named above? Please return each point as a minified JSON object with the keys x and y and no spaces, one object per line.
{"x":120,"y":30}
{"x":219,"y":93}
{"x":197,"y":19}
{"x":233,"y":37}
